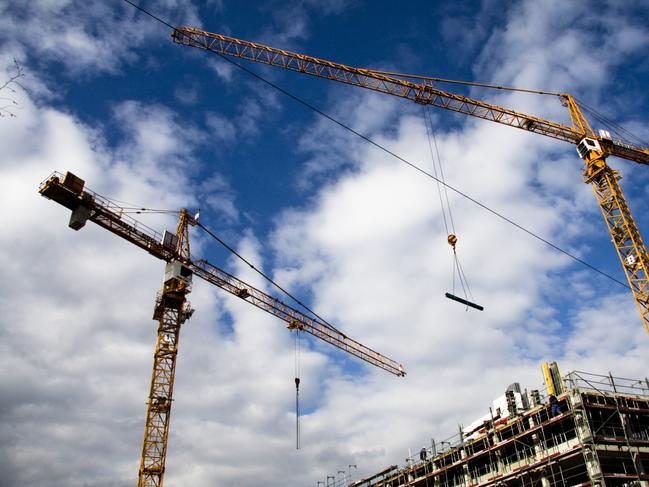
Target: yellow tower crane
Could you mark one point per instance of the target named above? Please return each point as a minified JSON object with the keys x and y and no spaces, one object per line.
{"x":172,"y":308}
{"x":593,"y":148}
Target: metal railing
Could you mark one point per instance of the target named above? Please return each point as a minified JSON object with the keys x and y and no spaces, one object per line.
{"x":111,"y":207}
{"x":607,"y":383}
{"x":602,"y":384}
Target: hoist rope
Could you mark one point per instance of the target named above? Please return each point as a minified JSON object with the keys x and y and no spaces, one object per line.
{"x":463,"y":279}
{"x":298,"y":346}
{"x":438,"y":180}
{"x":438,"y":167}
{"x":401,"y":159}
{"x":297,"y":413}
{"x":441,"y":170}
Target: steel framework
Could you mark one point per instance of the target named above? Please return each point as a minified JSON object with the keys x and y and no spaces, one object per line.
{"x":172,"y":308}
{"x":624,"y":231}
{"x":600,"y":437}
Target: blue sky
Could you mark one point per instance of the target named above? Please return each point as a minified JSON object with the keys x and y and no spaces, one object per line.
{"x":349,"y":229}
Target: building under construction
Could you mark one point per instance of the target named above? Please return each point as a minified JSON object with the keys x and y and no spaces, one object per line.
{"x":582,"y":430}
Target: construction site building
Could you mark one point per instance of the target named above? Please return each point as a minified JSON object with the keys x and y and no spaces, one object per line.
{"x":587,"y":430}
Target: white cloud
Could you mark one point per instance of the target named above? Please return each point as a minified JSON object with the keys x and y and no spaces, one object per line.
{"x":330,"y":7}
{"x":373,"y":248}
{"x":86,"y":37}
{"x":252,"y":116}
{"x":55,"y":30}
{"x":291,"y":20}
{"x":219,"y":197}
{"x":223,"y":69}
{"x":220,"y":127}
{"x":186,"y":95}
{"x":290,"y":24}
{"x":73,"y":339}
{"x":76,"y":333}
{"x":77,"y":339}
{"x":62,"y":332}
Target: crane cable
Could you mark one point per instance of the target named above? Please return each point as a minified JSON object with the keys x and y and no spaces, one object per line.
{"x":155,"y":17}
{"x":318,"y":318}
{"x":141,"y":211}
{"x":439,"y":179}
{"x":403,"y":160}
{"x":438,"y":171}
{"x":422,"y":171}
{"x":468,"y":83}
{"x":297,"y":388}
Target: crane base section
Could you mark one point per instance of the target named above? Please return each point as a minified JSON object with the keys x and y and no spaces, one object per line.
{"x":464,"y":301}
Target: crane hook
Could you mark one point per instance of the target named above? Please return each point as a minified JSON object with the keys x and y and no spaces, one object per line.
{"x":452,"y":240}
{"x":297,"y":413}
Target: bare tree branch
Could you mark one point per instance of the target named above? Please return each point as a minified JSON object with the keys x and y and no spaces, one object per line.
{"x":7,"y":104}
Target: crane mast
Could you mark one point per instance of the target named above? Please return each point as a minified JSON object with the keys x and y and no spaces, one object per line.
{"x":621,"y":225}
{"x":172,"y":308}
{"x":593,"y":149}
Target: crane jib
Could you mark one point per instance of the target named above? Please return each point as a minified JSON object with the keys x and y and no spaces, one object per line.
{"x":87,"y":205}
{"x":377,"y":81}
{"x":293,"y":317}
{"x":603,"y":179}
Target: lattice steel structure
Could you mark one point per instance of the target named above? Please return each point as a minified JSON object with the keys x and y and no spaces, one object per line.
{"x":593,"y":148}
{"x":622,"y":227}
{"x":172,"y":308}
{"x":171,"y":311}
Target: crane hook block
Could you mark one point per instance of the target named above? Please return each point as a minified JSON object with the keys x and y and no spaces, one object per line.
{"x":464,"y":301}
{"x":452,"y":240}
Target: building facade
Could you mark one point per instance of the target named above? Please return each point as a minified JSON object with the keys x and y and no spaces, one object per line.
{"x":590,"y":430}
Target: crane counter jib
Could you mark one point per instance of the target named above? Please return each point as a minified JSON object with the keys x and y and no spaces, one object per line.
{"x":86,"y":205}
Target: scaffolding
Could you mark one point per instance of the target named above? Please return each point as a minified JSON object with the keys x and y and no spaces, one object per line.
{"x":596,"y":433}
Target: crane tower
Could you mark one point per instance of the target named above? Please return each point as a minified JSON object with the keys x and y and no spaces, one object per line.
{"x":172,"y":308}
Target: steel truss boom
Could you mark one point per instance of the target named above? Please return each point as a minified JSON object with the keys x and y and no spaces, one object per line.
{"x":424,"y":92}
{"x":294,"y":318}
{"x":621,"y":225}
{"x":107,"y":215}
{"x":172,"y":308}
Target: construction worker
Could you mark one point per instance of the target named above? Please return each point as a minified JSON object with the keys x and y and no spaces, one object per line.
{"x":555,"y":409}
